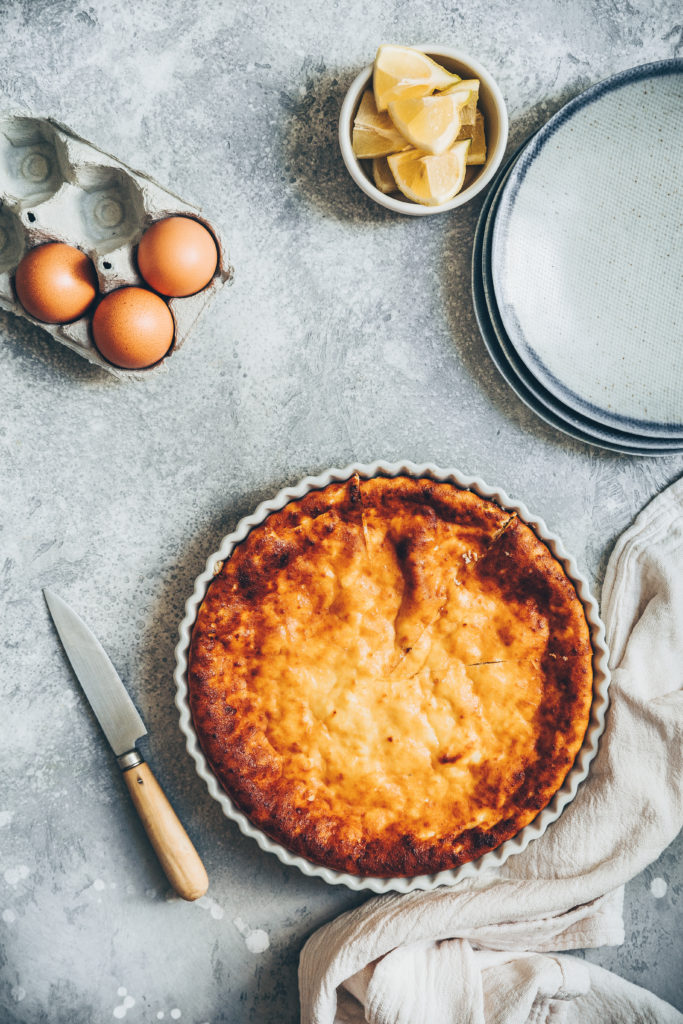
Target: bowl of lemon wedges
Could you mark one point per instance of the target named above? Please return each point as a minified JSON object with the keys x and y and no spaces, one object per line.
{"x":423,"y":129}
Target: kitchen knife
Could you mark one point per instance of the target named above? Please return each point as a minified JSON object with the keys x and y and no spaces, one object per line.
{"x":123,"y":727}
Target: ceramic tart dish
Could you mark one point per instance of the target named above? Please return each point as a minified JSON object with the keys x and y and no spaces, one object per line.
{"x":454,"y":636}
{"x":57,"y":187}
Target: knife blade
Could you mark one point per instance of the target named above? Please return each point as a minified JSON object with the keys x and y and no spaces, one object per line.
{"x":108,"y":697}
{"x":123,"y":727}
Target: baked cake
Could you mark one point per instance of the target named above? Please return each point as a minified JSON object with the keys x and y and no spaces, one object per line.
{"x":391,"y":676}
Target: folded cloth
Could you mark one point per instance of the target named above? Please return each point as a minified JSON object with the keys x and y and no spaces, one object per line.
{"x":488,"y":948}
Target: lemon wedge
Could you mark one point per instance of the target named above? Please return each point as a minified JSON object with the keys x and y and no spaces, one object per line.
{"x":430,"y":123}
{"x":469,"y":111}
{"x":475,"y":132}
{"x":402,"y":72}
{"x":382,"y":176}
{"x":427,"y":179}
{"x":375,"y":134}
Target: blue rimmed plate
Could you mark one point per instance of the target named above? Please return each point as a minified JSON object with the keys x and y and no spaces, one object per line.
{"x":513,"y":370}
{"x":587,"y":429}
{"x":587,"y":253}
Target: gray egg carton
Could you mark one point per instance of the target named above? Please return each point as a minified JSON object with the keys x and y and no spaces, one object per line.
{"x":56,"y":186}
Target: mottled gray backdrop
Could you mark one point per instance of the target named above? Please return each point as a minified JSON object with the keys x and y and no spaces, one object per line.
{"x":348,"y":335}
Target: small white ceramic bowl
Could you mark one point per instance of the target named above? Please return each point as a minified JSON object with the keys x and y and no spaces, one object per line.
{"x":492,"y":106}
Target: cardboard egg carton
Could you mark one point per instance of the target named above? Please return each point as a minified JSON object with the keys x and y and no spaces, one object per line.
{"x":56,"y":186}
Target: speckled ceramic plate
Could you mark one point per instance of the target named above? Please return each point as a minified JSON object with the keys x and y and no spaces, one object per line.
{"x":515,"y":371}
{"x":579,"y":771}
{"x":587,"y":250}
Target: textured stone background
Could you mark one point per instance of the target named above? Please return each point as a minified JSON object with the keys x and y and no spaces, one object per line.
{"x":348,"y":335}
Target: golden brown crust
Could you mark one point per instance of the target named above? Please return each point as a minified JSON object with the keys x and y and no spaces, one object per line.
{"x":391,"y":676}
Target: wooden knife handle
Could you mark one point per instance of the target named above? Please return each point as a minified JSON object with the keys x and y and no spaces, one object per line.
{"x":172,"y":845}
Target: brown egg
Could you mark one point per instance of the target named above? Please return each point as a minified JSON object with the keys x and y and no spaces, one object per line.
{"x":177,"y":256}
{"x":56,"y":283}
{"x":133,"y":328}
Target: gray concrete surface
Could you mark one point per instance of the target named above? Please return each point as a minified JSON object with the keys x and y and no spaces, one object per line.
{"x":348,"y":335}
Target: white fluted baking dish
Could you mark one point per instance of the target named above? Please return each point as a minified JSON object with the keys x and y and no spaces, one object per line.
{"x":544,"y":818}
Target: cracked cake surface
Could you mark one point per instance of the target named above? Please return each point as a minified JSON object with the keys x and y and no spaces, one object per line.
{"x":391,"y":676}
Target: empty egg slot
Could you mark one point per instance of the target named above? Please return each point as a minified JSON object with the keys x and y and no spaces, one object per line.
{"x":110,"y":206}
{"x":33,"y":163}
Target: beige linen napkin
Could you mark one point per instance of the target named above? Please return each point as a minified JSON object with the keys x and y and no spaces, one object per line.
{"x":486,"y":950}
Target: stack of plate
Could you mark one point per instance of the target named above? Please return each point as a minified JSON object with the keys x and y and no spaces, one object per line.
{"x":577,"y":265}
